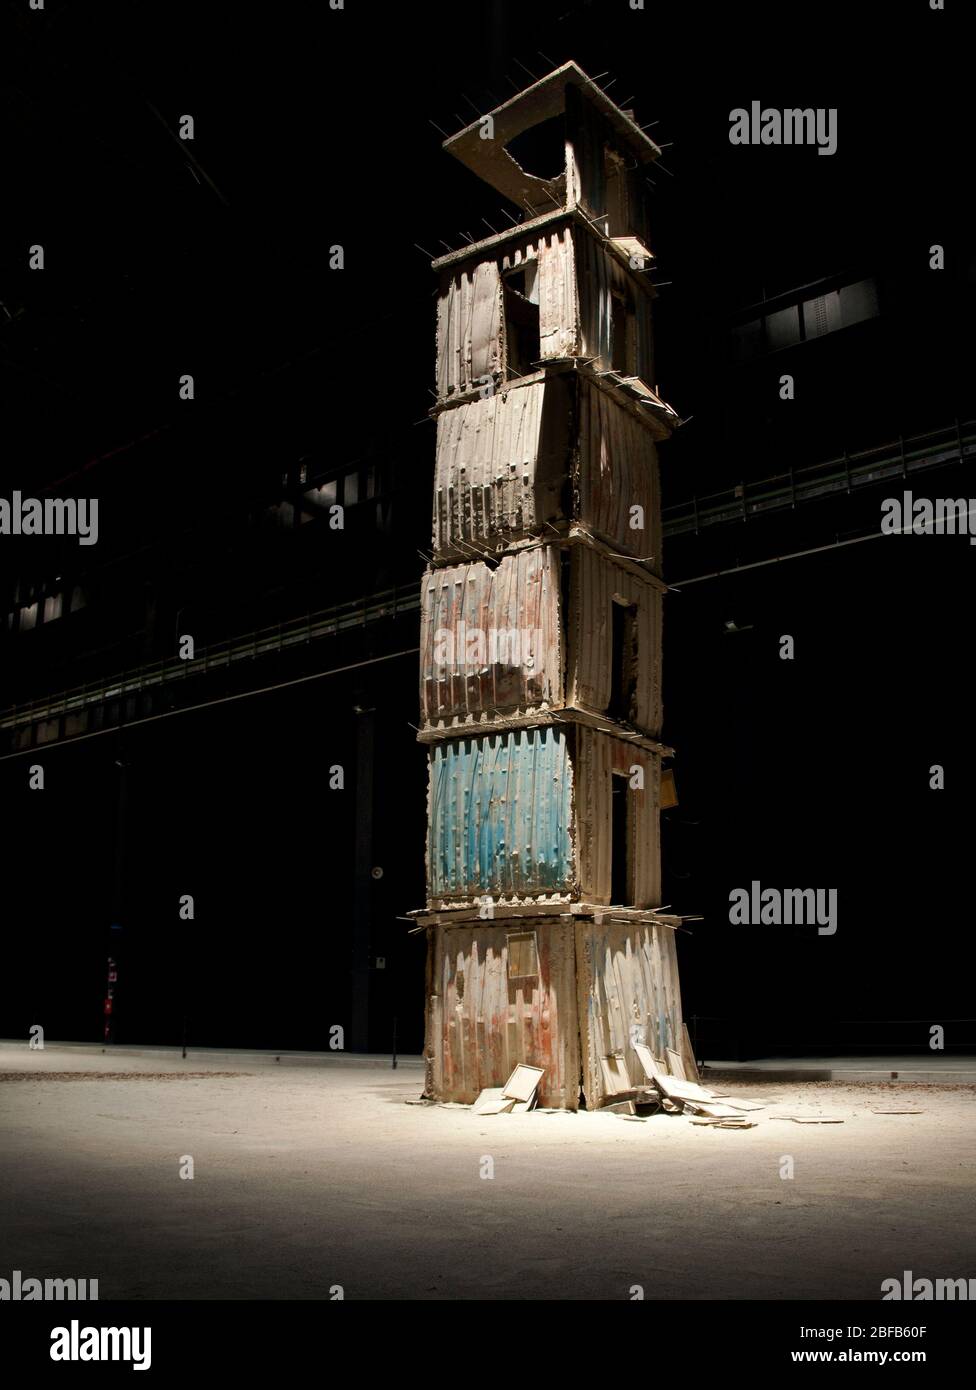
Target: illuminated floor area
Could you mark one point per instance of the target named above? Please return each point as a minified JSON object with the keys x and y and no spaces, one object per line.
{"x":307,"y":1177}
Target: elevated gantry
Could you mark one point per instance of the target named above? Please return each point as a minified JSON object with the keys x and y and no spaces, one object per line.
{"x":541,"y":618}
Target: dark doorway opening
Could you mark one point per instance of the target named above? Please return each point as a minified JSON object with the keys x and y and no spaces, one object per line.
{"x":522,"y":343}
{"x":623,"y":661}
{"x":619,"y":840}
{"x":621,"y":334}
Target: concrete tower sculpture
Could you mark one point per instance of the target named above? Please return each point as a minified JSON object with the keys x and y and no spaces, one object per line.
{"x":541,"y":618}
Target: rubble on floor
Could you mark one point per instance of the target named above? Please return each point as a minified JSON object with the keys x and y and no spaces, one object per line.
{"x":517,"y":1096}
{"x":811,"y":1119}
{"x":659,"y":1091}
{"x":665,"y":1087}
{"x":736,"y":1122}
{"x":679,"y":1095}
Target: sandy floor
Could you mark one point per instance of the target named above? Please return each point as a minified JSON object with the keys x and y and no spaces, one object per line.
{"x":307,"y":1177}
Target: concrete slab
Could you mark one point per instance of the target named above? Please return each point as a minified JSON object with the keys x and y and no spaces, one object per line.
{"x":309,"y":1177}
{"x":938,"y":1069}
{"x":213,"y":1055}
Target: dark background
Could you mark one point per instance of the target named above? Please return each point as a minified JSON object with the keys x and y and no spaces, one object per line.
{"x":313,"y":127}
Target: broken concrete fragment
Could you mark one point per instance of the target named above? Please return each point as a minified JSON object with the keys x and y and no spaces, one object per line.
{"x":715,"y":1109}
{"x":523,"y":1082}
{"x":676,"y":1066}
{"x":723,"y":1123}
{"x":811,"y":1119}
{"x":492,"y":1101}
{"x":616,"y":1078}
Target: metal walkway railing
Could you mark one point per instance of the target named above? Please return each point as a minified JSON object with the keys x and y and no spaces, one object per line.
{"x":902,"y":459}
{"x":298,"y":632}
{"x":850,"y":472}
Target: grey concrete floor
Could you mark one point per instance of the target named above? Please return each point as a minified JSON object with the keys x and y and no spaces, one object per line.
{"x":306,"y":1177}
{"x":936,"y":1067}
